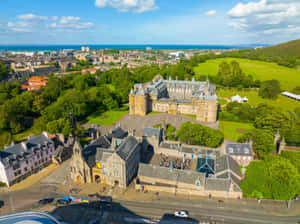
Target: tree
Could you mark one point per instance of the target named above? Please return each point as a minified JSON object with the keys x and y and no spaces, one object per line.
{"x":270,"y":89}
{"x":263,"y":141}
{"x":285,"y":179}
{"x":62,"y":126}
{"x":271,"y":118}
{"x":4,"y":71}
{"x":296,"y":90}
{"x":198,"y":134}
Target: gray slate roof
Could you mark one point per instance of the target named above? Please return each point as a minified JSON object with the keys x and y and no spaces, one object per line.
{"x":93,"y":154}
{"x":127,"y":147}
{"x":217,"y":184}
{"x":151,"y":132}
{"x":239,"y":149}
{"x":117,"y":133}
{"x":226,"y":162}
{"x":18,"y":150}
{"x":183,"y":176}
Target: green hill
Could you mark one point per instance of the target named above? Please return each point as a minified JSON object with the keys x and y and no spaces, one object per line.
{"x":289,"y":78}
{"x":291,"y":48}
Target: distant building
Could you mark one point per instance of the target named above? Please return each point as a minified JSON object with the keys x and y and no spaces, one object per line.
{"x":89,"y":71}
{"x":21,"y":160}
{"x":175,"y":97}
{"x":291,"y":95}
{"x":148,"y":48}
{"x":239,"y":99}
{"x":242,"y":153}
{"x":177,"y":54}
{"x":85,"y":49}
{"x":35,"y":83}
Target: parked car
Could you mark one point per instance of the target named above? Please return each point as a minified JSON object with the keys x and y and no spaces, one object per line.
{"x":85,"y":200}
{"x":106,"y":199}
{"x":62,"y":202}
{"x":46,"y":201}
{"x":182,"y":214}
{"x":1,"y":204}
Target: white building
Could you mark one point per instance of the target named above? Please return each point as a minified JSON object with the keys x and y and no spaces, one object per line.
{"x":291,"y":95}
{"x":177,"y":54}
{"x":239,"y":99}
{"x":21,"y":160}
{"x":242,"y":153}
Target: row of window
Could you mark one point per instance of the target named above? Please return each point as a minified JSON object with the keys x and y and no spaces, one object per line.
{"x":243,"y":157}
{"x":41,"y":161}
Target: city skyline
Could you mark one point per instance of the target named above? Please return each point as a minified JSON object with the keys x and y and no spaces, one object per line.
{"x":30,"y":22}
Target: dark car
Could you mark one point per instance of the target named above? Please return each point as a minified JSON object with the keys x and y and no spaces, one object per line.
{"x":1,"y":204}
{"x":62,"y":202}
{"x":46,"y":201}
{"x":106,"y":199}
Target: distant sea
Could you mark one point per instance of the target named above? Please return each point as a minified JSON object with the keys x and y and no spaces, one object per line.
{"x":125,"y":47}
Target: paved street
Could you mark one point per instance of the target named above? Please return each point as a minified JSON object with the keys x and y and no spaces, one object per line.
{"x":23,"y":200}
{"x":217,"y":214}
{"x":202,"y":210}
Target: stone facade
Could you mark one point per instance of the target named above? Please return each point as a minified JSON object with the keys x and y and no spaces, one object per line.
{"x":116,"y":159}
{"x":175,"y":97}
{"x":21,"y":160}
{"x":242,"y":153}
{"x":111,"y":159}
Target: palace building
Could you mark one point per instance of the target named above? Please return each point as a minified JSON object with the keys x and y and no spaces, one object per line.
{"x":175,"y":97}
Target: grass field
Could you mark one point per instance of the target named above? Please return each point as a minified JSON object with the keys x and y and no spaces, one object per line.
{"x":107,"y":118}
{"x":288,"y":78}
{"x":222,"y":102}
{"x":285,"y":103}
{"x":233,"y":130}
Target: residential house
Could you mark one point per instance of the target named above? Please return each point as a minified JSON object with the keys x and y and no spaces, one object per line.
{"x":240,"y":152}
{"x":35,"y":83}
{"x":21,"y":160}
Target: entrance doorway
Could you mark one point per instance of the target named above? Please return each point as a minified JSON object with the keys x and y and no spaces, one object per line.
{"x":97,"y":179}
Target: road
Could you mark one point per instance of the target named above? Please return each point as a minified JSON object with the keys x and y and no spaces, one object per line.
{"x":23,"y":200}
{"x":201,"y":210}
{"x":220,"y":215}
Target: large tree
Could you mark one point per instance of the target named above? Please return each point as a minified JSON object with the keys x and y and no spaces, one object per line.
{"x":285,"y":179}
{"x":270,"y":89}
{"x":198,"y":134}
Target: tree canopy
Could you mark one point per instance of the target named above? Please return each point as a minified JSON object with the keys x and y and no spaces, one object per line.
{"x":269,"y":89}
{"x":197,"y":134}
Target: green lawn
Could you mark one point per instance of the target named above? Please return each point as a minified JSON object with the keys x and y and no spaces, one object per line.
{"x":107,"y":118}
{"x":154,"y":112}
{"x":233,"y":130}
{"x":23,"y":135}
{"x":285,"y":103}
{"x":190,"y":115}
{"x":288,"y":78}
{"x":222,"y":102}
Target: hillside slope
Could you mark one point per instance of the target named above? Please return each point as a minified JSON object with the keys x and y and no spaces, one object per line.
{"x":291,"y":48}
{"x":289,"y":78}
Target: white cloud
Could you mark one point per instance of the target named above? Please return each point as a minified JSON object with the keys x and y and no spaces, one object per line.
{"x":211,"y":13}
{"x":31,"y":22}
{"x":32,"y":17}
{"x":137,"y":6}
{"x":70,"y":22}
{"x":267,"y":17}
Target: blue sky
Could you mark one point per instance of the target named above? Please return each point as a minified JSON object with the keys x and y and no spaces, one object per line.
{"x":229,"y":22}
